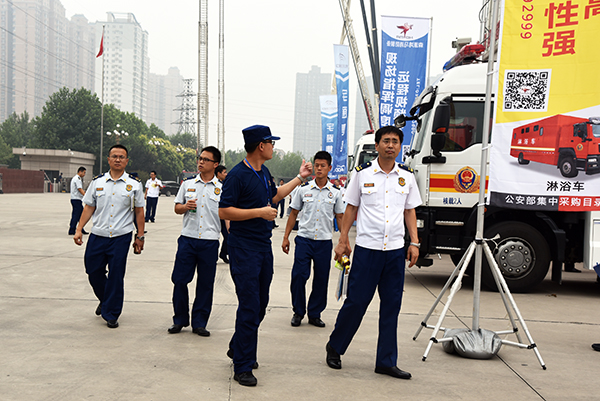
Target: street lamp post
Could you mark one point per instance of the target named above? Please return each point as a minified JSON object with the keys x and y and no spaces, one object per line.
{"x":118,"y":134}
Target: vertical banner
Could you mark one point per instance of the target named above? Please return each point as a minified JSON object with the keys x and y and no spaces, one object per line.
{"x":404,"y":65}
{"x":545,"y":151}
{"x":340,"y":149}
{"x":329,"y":116}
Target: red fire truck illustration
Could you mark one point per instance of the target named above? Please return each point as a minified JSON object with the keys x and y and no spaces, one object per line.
{"x":569,"y":143}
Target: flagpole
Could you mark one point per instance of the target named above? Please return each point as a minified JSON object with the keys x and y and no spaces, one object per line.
{"x":101,"y":53}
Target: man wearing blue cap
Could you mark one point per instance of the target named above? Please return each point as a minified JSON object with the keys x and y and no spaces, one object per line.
{"x":248,"y":194}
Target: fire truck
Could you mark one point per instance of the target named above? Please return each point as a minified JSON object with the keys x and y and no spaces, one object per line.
{"x":569,"y":143}
{"x":445,"y":155}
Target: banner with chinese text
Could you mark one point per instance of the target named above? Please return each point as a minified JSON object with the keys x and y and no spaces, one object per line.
{"x":545,"y":152}
{"x":404,"y":62}
{"x":342,"y":73}
{"x":329,"y":115}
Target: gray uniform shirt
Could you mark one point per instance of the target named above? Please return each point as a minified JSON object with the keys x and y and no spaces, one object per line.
{"x":114,"y":201}
{"x":205,"y":222}
{"x":76,"y":183}
{"x":319,"y":207}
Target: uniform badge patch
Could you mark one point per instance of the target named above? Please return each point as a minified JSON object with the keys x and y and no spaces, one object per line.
{"x":401,"y":181}
{"x":129,"y":187}
{"x":308,"y":195}
{"x":217,"y":191}
{"x":191,"y":189}
{"x":330,"y":195}
{"x":466,"y":180}
{"x":369,"y":184}
{"x":100,"y":189}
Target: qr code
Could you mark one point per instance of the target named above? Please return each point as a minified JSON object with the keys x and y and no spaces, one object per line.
{"x":526,"y":90}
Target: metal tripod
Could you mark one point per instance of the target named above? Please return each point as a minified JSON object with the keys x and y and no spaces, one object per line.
{"x":507,"y":299}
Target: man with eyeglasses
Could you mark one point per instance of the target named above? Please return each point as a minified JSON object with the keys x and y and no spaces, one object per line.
{"x":112,"y":199}
{"x":248,"y":194}
{"x":384,"y":194}
{"x":198,"y":245}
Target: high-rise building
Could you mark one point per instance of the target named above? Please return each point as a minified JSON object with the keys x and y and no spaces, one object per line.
{"x":307,"y":110}
{"x":126,"y":63}
{"x":163,"y":100}
{"x":41,"y":51}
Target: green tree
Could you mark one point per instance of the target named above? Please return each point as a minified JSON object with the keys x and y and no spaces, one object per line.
{"x":15,"y":132}
{"x":184,"y":139}
{"x":285,"y":167}
{"x":233,"y":157}
{"x":5,"y":152}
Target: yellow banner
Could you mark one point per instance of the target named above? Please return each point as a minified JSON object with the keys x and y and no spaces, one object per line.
{"x":550,"y":58}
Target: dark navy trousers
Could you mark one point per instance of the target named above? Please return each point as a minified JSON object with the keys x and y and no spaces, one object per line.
{"x":151,"y":208}
{"x":77,"y":206}
{"x":100,"y":253}
{"x":252,"y":272}
{"x":225,"y":233}
{"x":319,"y":252}
{"x":193,"y":255}
{"x":372,"y":269}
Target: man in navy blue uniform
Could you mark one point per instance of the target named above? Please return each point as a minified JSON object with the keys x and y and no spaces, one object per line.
{"x":385,"y":195}
{"x":248,"y":193}
{"x":197,"y":247}
{"x":112,"y":199}
{"x":320,"y":202}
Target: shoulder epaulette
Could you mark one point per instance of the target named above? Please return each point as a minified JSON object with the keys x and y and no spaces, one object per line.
{"x":187,"y":178}
{"x":98,"y":176}
{"x":336,"y":187}
{"x":363,"y":166}
{"x":305,"y":184}
{"x":135,"y":178}
{"x":403,"y":167}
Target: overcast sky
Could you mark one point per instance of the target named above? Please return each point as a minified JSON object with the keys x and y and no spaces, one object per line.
{"x":267,"y":42}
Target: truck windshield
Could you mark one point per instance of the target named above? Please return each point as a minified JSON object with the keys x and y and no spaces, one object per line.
{"x":466,"y":124}
{"x":596,"y":130}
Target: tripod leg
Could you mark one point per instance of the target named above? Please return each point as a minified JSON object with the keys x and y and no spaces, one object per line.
{"x":496,"y":273}
{"x":455,"y":288}
{"x":443,"y":291}
{"x":504,"y":287}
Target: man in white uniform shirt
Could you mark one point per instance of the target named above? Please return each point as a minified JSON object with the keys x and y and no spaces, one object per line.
{"x":153,"y":186}
{"x":385,"y":195}
{"x":77,"y":193}
{"x":198,"y":246}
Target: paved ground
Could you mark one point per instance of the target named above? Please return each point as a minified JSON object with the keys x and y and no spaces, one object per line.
{"x":53,"y":347}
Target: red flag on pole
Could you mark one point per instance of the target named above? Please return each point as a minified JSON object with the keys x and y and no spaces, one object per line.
{"x":101,"y":46}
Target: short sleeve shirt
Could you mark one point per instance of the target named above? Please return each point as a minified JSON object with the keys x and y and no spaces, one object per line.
{"x":246,"y":189}
{"x":114,"y":201}
{"x":153,"y":187}
{"x":76,"y":184}
{"x":320,"y":205}
{"x":381,"y":199}
{"x":204,"y":223}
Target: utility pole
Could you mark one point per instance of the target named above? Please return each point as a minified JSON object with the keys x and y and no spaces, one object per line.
{"x":221,"y":112}
{"x":203,"y":75}
{"x":187,"y":120}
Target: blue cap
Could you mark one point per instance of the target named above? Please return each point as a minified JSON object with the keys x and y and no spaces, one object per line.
{"x":258,"y":133}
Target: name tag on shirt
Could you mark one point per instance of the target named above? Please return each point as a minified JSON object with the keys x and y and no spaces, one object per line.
{"x":369,"y":184}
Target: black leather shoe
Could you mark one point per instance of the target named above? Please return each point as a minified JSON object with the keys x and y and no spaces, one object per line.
{"x":176,"y":328}
{"x":596,"y":347}
{"x":393,"y":371}
{"x":230,"y":355}
{"x":296,"y":319}
{"x":316,"y":321}
{"x":333,"y":358}
{"x":245,"y":379}
{"x":201,"y":331}
{"x":112,"y":324}
{"x":99,"y":309}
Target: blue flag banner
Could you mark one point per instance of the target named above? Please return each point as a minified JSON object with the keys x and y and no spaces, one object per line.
{"x":329,"y":116}
{"x":340,"y":149}
{"x":404,"y":65}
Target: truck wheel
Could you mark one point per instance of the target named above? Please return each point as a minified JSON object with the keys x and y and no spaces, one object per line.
{"x":522,"y":254}
{"x":566,"y":164}
{"x":521,"y":159}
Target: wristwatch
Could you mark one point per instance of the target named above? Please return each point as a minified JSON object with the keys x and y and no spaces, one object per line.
{"x":300,"y":178}
{"x":140,"y":238}
{"x":415,"y":244}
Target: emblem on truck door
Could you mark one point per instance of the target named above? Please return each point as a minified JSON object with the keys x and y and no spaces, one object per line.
{"x":466,"y":180}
